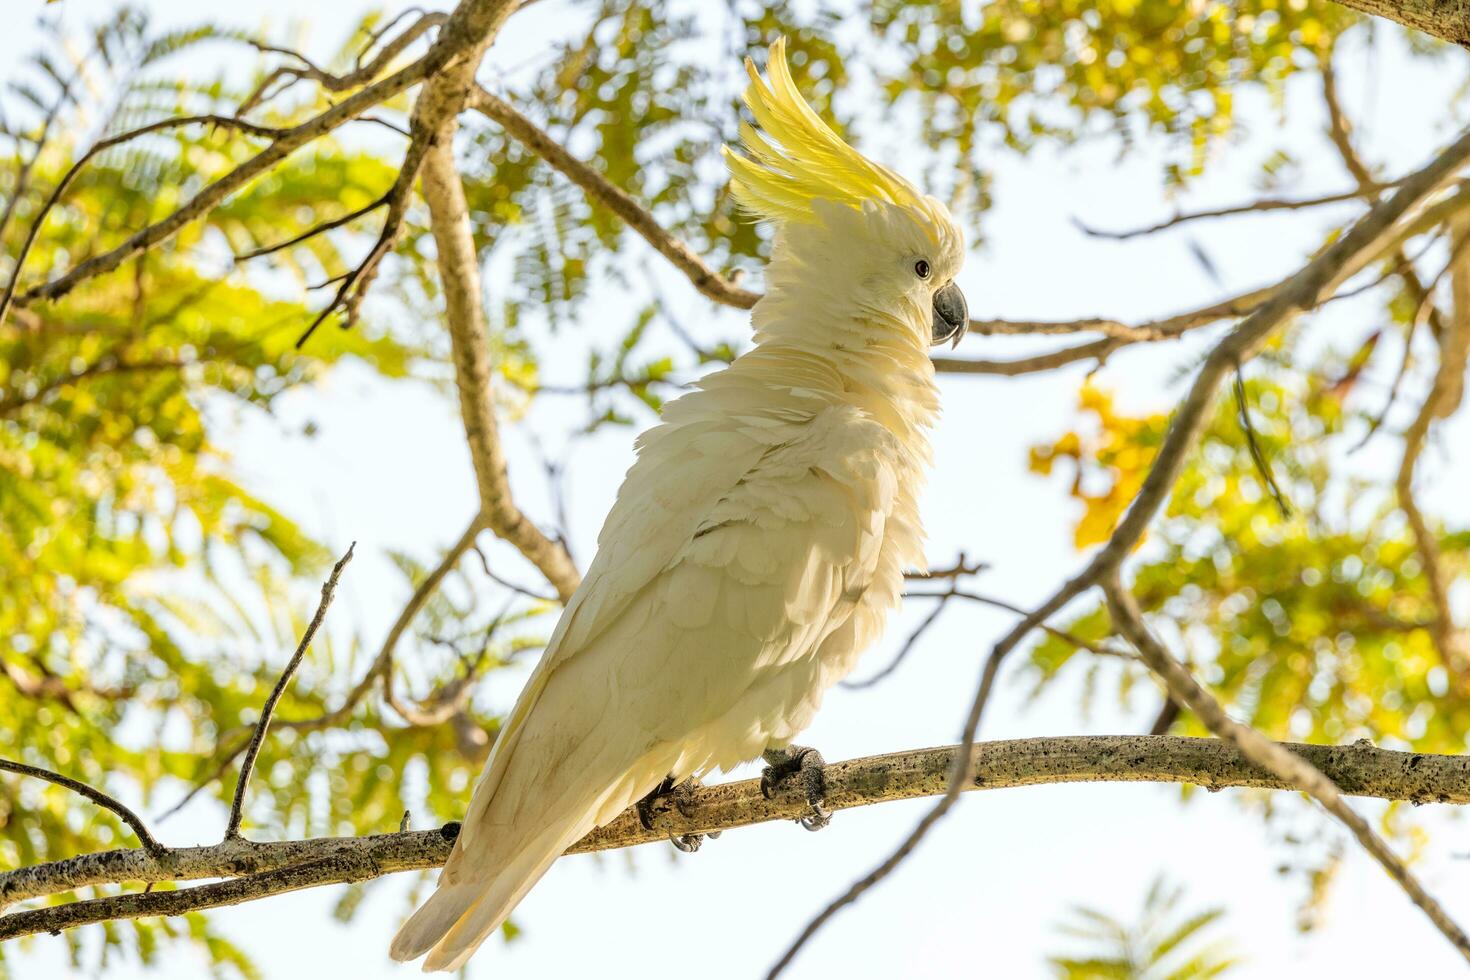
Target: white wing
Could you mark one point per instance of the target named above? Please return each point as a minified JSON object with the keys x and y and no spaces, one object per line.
{"x":739,"y":547}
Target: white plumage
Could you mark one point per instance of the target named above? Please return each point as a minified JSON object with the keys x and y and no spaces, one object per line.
{"x":756,"y":545}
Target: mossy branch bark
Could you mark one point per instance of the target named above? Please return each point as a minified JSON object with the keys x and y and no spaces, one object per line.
{"x":256,"y":870}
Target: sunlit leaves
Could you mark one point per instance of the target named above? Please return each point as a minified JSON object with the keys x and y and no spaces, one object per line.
{"x":1167,"y":942}
{"x":1312,"y":627}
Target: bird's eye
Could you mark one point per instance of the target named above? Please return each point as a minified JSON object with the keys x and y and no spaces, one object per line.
{"x":921,"y":269}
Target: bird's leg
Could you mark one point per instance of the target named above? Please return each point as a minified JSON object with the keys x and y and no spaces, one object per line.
{"x":671,"y":794}
{"x":808,"y":765}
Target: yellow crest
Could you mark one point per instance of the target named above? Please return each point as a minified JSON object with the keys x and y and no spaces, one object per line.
{"x":795,"y":158}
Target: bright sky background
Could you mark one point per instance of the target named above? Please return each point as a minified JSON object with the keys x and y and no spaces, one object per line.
{"x":984,"y":894}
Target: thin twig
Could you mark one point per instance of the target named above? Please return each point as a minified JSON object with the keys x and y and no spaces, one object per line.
{"x":364,"y":72}
{"x":962,"y":568}
{"x":315,"y":230}
{"x":140,"y":829}
{"x":614,"y":198}
{"x":1285,"y":764}
{"x":506,"y":583}
{"x":1258,"y":457}
{"x":1254,"y":207}
{"x":354,"y":286}
{"x":908,"y":644}
{"x":100,"y":146}
{"x":247,"y":767}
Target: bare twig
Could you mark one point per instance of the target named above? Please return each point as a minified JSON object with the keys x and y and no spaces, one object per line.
{"x":1285,"y":764}
{"x":1258,"y":456}
{"x":364,"y":72}
{"x":247,"y":767}
{"x":353,"y":287}
{"x":140,"y":829}
{"x":954,"y":592}
{"x":506,"y":583}
{"x":1254,"y":207}
{"x":908,"y":644}
{"x":260,"y":869}
{"x":318,"y":229}
{"x":467,"y":29}
{"x":961,"y":568}
{"x":1444,"y":398}
{"x":227,"y":122}
{"x":614,"y":198}
{"x":1367,"y":237}
{"x":382,"y":665}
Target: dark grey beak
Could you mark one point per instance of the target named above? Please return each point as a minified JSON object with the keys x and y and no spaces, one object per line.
{"x":951,"y":315}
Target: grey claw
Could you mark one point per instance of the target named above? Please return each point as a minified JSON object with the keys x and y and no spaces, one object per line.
{"x":817,"y":819}
{"x":657,"y":803}
{"x":809,"y":764}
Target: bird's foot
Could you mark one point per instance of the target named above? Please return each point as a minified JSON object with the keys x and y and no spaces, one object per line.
{"x":671,"y":795}
{"x":808,"y":766}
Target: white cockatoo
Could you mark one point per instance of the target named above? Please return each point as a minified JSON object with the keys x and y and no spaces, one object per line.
{"x":757,"y":544}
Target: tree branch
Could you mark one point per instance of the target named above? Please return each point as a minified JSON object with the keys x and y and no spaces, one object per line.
{"x":471,"y":24}
{"x":364,"y":72}
{"x":1270,"y":756}
{"x":1253,"y":207}
{"x":459,"y":270}
{"x":1443,"y":400}
{"x":259,"y":869}
{"x":615,"y":199}
{"x":81,"y":162}
{"x":1307,"y":288}
{"x":98,"y":797}
{"x":252,"y":750}
{"x":1448,"y":20}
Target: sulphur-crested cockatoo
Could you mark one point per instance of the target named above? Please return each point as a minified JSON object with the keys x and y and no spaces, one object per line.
{"x":757,"y":544}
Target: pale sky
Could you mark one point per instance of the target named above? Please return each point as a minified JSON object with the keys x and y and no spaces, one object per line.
{"x":983,"y":895}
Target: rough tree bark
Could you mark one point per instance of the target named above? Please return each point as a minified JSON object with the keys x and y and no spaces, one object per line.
{"x":256,"y":870}
{"x":1448,"y":20}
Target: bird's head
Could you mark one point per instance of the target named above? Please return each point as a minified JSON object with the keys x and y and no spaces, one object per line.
{"x":851,"y":232}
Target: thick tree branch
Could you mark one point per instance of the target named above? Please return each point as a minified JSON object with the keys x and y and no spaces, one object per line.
{"x":1448,"y":20}
{"x":1270,"y":756}
{"x":459,"y":270}
{"x":258,"y":870}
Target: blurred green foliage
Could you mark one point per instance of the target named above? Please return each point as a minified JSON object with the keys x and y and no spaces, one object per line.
{"x":1311,"y":627}
{"x":1165,"y":943}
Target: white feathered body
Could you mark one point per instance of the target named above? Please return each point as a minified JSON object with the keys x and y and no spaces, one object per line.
{"x":754,"y":551}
